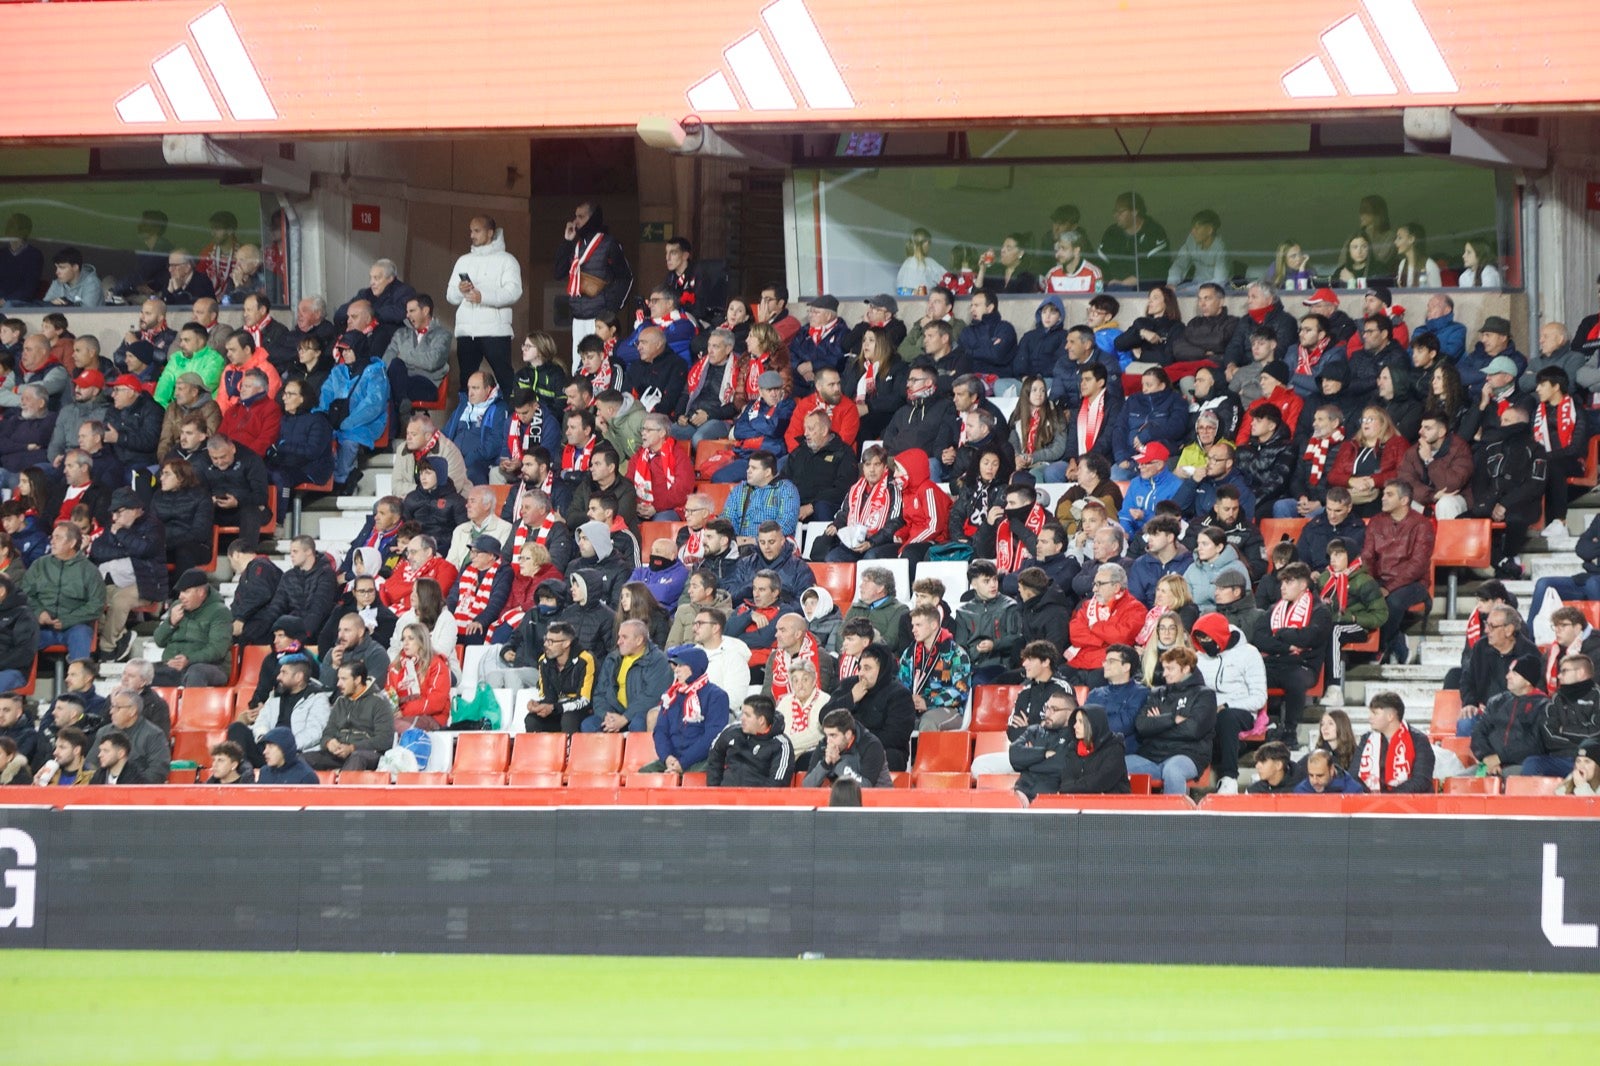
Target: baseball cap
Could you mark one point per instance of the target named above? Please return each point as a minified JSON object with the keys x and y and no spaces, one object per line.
{"x":827,"y":303}
{"x":1154,"y":452}
{"x":885,"y":301}
{"x":1322,"y":296}
{"x":90,"y":379}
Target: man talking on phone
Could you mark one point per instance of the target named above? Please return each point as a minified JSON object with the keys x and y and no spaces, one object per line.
{"x":485,"y":284}
{"x":597,"y":276}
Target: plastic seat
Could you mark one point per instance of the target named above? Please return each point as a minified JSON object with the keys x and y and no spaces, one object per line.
{"x":365,"y":777}
{"x":1532,"y":786}
{"x":961,"y":781}
{"x":650,"y":532}
{"x":194,"y":745}
{"x":594,"y":780}
{"x":172,"y":694}
{"x":990,"y":743}
{"x":695,"y":780}
{"x":595,"y":753}
{"x":1472,"y":786}
{"x":533,"y":779}
{"x":638,"y":750}
{"x":487,"y":752}
{"x":704,"y":451}
{"x":840,"y":581}
{"x":943,"y":753}
{"x":1459,"y":542}
{"x":899,"y":779}
{"x":251,"y":657}
{"x":480,"y":778}
{"x":650,"y":781}
{"x":422,"y":777}
{"x":205,"y":709}
{"x":1274,"y":530}
{"x":438,"y":403}
{"x":718,"y":494}
{"x":502,"y":493}
{"x":1446,"y":712}
{"x":1141,"y":784}
{"x":1461,"y":747}
{"x":539,"y":753}
{"x":327,"y":777}
{"x":992,"y":706}
{"x":995,"y":782}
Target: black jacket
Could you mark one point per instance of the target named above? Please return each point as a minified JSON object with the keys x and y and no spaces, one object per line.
{"x":928,"y":426}
{"x":1509,"y":469}
{"x":1484,"y":674}
{"x":1421,"y":779}
{"x":19,"y":635}
{"x":309,"y":594}
{"x":1104,"y":769}
{"x":1204,"y":337}
{"x":1277,"y":646}
{"x":668,"y":373}
{"x":1132,"y":338}
{"x":888,"y":394}
{"x":1047,"y":616}
{"x":1030,"y":703}
{"x":594,"y":619}
{"x":823,"y":475}
{"x":1312,"y":547}
{"x":144,"y":544}
{"x":1510,"y":727}
{"x":1279,"y":321}
{"x":30,"y":742}
{"x":740,"y":760}
{"x":252,"y":601}
{"x":1162,"y":736}
{"x":887,"y":711}
{"x":438,"y":511}
{"x":138,"y":429}
{"x":1572,"y":718}
{"x":866,"y":762}
{"x":1038,"y":756}
{"x":1267,"y":467}
{"x":245,"y":479}
{"x":186,"y":515}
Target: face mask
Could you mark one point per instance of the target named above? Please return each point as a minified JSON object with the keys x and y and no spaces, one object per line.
{"x":658,"y":563}
{"x":547,"y":609}
{"x":1018,"y":514}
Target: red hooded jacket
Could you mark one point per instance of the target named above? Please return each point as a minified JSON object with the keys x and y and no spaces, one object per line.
{"x":924,"y":506}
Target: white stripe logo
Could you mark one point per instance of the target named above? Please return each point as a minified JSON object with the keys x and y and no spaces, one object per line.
{"x":1360,"y":63}
{"x":759,"y":74}
{"x":189,"y":98}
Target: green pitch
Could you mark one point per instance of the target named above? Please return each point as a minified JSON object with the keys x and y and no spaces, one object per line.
{"x":149,"y":1007}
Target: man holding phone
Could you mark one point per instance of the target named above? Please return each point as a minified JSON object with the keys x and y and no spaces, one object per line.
{"x":597,"y":276}
{"x":487,"y":283}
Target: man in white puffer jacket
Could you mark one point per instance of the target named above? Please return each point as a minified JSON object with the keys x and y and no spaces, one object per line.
{"x":1231,"y":667}
{"x":485,"y":284}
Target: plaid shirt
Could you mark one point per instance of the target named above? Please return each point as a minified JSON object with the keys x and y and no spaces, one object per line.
{"x":747,"y":507}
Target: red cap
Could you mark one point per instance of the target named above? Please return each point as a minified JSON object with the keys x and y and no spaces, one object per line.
{"x":90,"y":379}
{"x":1323,"y":296}
{"x":1154,"y":452}
{"x":128,"y":381}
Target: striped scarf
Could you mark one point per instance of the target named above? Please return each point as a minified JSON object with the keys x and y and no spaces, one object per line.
{"x":1009,"y":551}
{"x":1286,"y":615}
{"x":869,"y":505}
{"x":573,"y":458}
{"x":725,"y":392}
{"x":690,"y":691}
{"x":579,"y":257}
{"x":1337,"y":588}
{"x":643,"y":485}
{"x":693,"y":549}
{"x":473,"y":590}
{"x":781,"y":661}
{"x":1317,"y":451}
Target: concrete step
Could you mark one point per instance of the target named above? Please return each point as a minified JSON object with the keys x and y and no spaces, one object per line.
{"x":1416,"y":695}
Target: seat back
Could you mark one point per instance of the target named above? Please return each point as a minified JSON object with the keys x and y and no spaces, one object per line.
{"x":943,"y":753}
{"x":1531,"y":786}
{"x":639,"y":749}
{"x":1462,"y":542}
{"x":364,"y":777}
{"x":1446,"y":711}
{"x":595,"y":753}
{"x":250,"y":659}
{"x":539,"y":753}
{"x":1274,"y":530}
{"x":840,"y":581}
{"x":650,"y":531}
{"x":479,"y":778}
{"x":992,"y":706}
{"x":205,"y":709}
{"x":1472,"y":786}
{"x":487,"y":752}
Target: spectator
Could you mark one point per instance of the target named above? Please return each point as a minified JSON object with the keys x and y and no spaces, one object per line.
{"x":418,"y":357}
{"x":37,"y":366}
{"x":237,"y":480}
{"x":1110,"y":616}
{"x":1146,"y":343}
{"x":14,"y":768}
{"x":1584,"y":780}
{"x":19,"y":636}
{"x":851,"y":753}
{"x":132,"y":554}
{"x":68,"y":766}
{"x":1294,"y":643}
{"x":25,"y":436}
{"x":389,"y":298}
{"x":563,"y":679}
{"x":822,"y":467}
{"x":282,"y":763}
{"x":418,"y":682}
{"x":1157,"y":416}
{"x":701,"y":591}
{"x":1123,"y":695}
{"x":67,"y":591}
{"x":938,"y":672}
{"x":754,"y":752}
{"x":421,"y":561}
{"x":821,"y":346}
{"x":21,"y":264}
{"x":988,"y":625}
{"x":256,"y":419}
{"x":1209,"y":334}
{"x":1508,"y":731}
{"x":310,"y":323}
{"x":1439,"y":467}
{"x":241,"y":356}
{"x":194,"y":355}
{"x":1554,"y":352}
{"x":1265,"y":467}
{"x":1562,"y":431}
{"x":360,"y":726}
{"x":692,"y":714}
{"x":1213,"y":557}
{"x":591,"y":264}
{"x":149,"y":754}
{"x":630,"y":684}
{"x":189,"y":400}
{"x":1325,"y":776}
{"x":880,"y":704}
{"x":137,"y":677}
{"x":195,"y":636}
{"x":1508,"y":486}
{"x":228,"y":766}
{"x":876,"y":603}
{"x":356,"y":400}
{"x":1042,"y":752}
{"x":1356,"y":603}
{"x":1393,"y":757}
{"x":478,"y":427}
{"x":1233,"y":668}
{"x":1494,"y":342}
{"x":1450,"y":336}
{"x":266,"y":332}
{"x":866,"y":523}
{"x":1398,"y":554}
{"x":484,"y":286}
{"x":1573,"y":636}
{"x":711,"y":398}
{"x":1176,"y":729}
{"x":727,"y":658}
{"x":113,"y":753}
{"x":1040,"y":684}
{"x":1153,"y":484}
{"x":926,"y":422}
{"x":1273,"y":775}
{"x":16,"y":727}
{"x":1199,"y":493}
{"x":303,"y":450}
{"x":1134,"y":247}
{"x":1572,"y":721}
{"x":76,"y":283}
{"x":1263,"y":310}
{"x":1203,"y":258}
{"x":90,"y":403}
{"x":1484,"y":674}
{"x":313,"y":365}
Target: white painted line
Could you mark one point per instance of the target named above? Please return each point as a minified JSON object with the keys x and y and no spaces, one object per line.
{"x":1357,"y":60}
{"x":807,"y":54}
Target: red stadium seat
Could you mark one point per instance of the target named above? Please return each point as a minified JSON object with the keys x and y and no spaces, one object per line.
{"x":182,"y":777}
{"x":992,"y":706}
{"x":539,"y":753}
{"x":205,"y":709}
{"x":1531,"y":786}
{"x":251,"y":656}
{"x":650,"y":781}
{"x":1141,"y":784}
{"x":649,"y":532}
{"x":364,"y":777}
{"x":327,"y":777}
{"x":1462,"y":749}
{"x":989,"y":743}
{"x":1446,"y":712}
{"x":840,"y":581}
{"x":438,"y":403}
{"x":422,"y":777}
{"x":1472,"y":786}
{"x":594,"y":780}
{"x":995,"y":781}
{"x":718,"y":494}
{"x":943,"y":753}
{"x":704,"y":452}
{"x":595,"y":753}
{"x":502,"y":493}
{"x":533,"y":779}
{"x":638,"y":750}
{"x":1273,"y":530}
{"x":195,"y":745}
{"x":479,"y":778}
{"x":694,"y":780}
{"x":1590,"y":608}
{"x":899,"y":779}
{"x":485,"y":752}
{"x":1459,"y":542}
{"x":171,"y":695}
{"x":941,"y":780}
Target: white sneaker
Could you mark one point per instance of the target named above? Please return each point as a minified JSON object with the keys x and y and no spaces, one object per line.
{"x":1333,"y":696}
{"x":1228,"y":786}
{"x":1556,"y":530}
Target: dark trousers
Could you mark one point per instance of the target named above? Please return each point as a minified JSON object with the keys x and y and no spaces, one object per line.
{"x":826,"y":549}
{"x":240,"y":734}
{"x":558,"y":721}
{"x":248,"y":519}
{"x":405,"y":388}
{"x":1400,"y":602}
{"x":358,"y":760}
{"x":1294,"y":680}
{"x":1231,"y":721}
{"x":473,"y":352}
{"x":196,"y":675}
{"x":1557,"y":491}
{"x":188,"y":555}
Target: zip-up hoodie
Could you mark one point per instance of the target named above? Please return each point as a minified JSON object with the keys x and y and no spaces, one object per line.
{"x":1103,"y":768}
{"x":498,"y":277}
{"x":85,"y":292}
{"x":924,"y":506}
{"x":1040,"y":347}
{"x":1237,"y":673}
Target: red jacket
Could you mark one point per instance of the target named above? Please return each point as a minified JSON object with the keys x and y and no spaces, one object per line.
{"x":228,"y":385}
{"x":1400,"y":553}
{"x":434,"y":700}
{"x":396,"y":589}
{"x":253,"y":425}
{"x":924,"y":506}
{"x":1127,"y":618}
{"x":1286,"y":400}
{"x":663,"y":480}
{"x":1389,"y":457}
{"x":845,"y":419}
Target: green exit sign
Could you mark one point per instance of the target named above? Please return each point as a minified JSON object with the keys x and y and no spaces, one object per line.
{"x":655,"y":232}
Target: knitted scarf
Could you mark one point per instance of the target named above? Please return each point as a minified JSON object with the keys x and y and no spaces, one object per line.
{"x":1566,"y":417}
{"x":868,"y":505}
{"x":1286,"y":615}
{"x":472,"y":591}
{"x":1317,"y":450}
{"x":697,"y":375}
{"x":782,"y":660}
{"x":1396,"y":763}
{"x":693,"y":549}
{"x":1091,"y":419}
{"x":603,"y":376}
{"x":849,"y":666}
{"x":580,"y":255}
{"x":1309,"y":360}
{"x":1096,"y":612}
{"x":754,"y":367}
{"x":1009,"y":551}
{"x":1337,"y":587}
{"x":643,"y":485}
{"x":690,"y":691}
{"x":869,"y":380}
{"x":517,"y":434}
{"x":573,"y":458}
{"x":1152,"y":619}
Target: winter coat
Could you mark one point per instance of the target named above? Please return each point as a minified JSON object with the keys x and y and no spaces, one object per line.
{"x":1421,"y":779}
{"x":367,"y":721}
{"x":1238,"y":675}
{"x":426,"y":356}
{"x":1342,"y":784}
{"x":948,"y":680}
{"x":887,"y":711}
{"x":1123,"y":704}
{"x":1510,"y":727}
{"x":1047,"y":616}
{"x":73,"y":591}
{"x":304,"y":447}
{"x":1278,"y":646}
{"x":1282,"y":324}
{"x":150,"y":756}
{"x":866,"y":762}
{"x":432,"y":698}
{"x":497,"y":276}
{"x":438,"y":511}
{"x":1267,"y":467}
{"x":1204,"y":338}
{"x":144,"y":544}
{"x":1148,"y":569}
{"x":203,"y":635}
{"x":1104,"y":769}
{"x":1572,"y":718}
{"x":308,"y":594}
{"x":646,"y":682}
{"x":1132,"y":346}
{"x":928,"y":426}
{"x":1038,"y":756}
{"x":1162,"y":737}
{"x":1091,"y":641}
{"x":25,"y":442}
{"x":794,"y":573}
{"x":308,"y":716}
{"x":1039,"y":348}
{"x":998,"y":619}
{"x":1451,"y":335}
{"x":1147,"y":418}
{"x":1449,"y":471}
{"x":1400,"y":553}
{"x":186,"y":516}
{"x":138,"y":429}
{"x":1511,"y":471}
{"x":19,"y":633}
{"x":483,"y":443}
{"x":1202,"y":576}
{"x":594,"y":620}
{"x":751,"y":760}
{"x":605,"y":262}
{"x":689,"y":733}
{"x":991,"y":343}
{"x":924,"y":505}
{"x":87,"y":291}
{"x":826,"y":474}
{"x":1067,"y":392}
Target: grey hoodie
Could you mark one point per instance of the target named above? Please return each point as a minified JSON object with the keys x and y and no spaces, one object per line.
{"x":85,"y":292}
{"x":1202,"y":577}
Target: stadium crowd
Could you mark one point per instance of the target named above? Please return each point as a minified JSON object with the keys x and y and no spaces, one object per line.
{"x":1083,"y":512}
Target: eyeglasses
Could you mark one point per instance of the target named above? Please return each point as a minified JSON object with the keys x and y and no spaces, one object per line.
{"x":1103,"y":581}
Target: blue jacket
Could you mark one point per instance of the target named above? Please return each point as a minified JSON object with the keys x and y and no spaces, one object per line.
{"x":1162,"y":416}
{"x":690,"y":740}
{"x":1342,"y":783}
{"x":769,"y":424}
{"x":305,"y":440}
{"x":369,"y":402}
{"x":1473,"y":363}
{"x":747,"y":508}
{"x":1200,"y":497}
{"x":295,"y":770}
{"x":1064,"y":380}
{"x":680,"y":338}
{"x":483,"y":444}
{"x":666,"y":585}
{"x":1040,"y":348}
{"x":31,"y":542}
{"x":1145,"y":571}
{"x":1452,"y":335}
{"x":991,"y":342}
{"x":1143,"y":494}
{"x":1123,"y":704}
{"x":825,"y":353}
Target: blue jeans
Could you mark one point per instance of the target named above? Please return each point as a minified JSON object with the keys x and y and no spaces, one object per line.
{"x":732,"y":473}
{"x":711,"y":429}
{"x":1175,"y":773}
{"x":347,"y":453}
{"x":1546,"y":766}
{"x":1581,"y":587}
{"x":11,"y":680}
{"x":1291,"y":509}
{"x":79,"y":640}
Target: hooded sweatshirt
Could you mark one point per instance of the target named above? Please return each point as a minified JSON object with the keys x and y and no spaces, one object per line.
{"x":1098,"y":766}
{"x":692,"y":713}
{"x":295,"y":770}
{"x":593,"y":619}
{"x":1237,"y":673}
{"x":821,"y":614}
{"x":924,"y":506}
{"x":498,"y":278}
{"x":85,"y":292}
{"x":611,"y":568}
{"x":1041,"y":347}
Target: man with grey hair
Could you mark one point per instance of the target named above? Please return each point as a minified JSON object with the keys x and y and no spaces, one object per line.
{"x":418,"y":358}
{"x":311,"y":320}
{"x":1262,"y":304}
{"x":658,"y":378}
{"x":186,"y":286}
{"x":877,"y":603}
{"x":25,"y":438}
{"x":481,"y":522}
{"x":661,"y":471}
{"x":237,"y":480}
{"x":35,"y":367}
{"x":189,"y":397}
{"x":423,"y":439}
{"x":712,"y":397}
{"x":387,"y":297}
{"x":1110,"y":616}
{"x":150,"y":755}
{"x":253,"y":419}
{"x":138,"y":677}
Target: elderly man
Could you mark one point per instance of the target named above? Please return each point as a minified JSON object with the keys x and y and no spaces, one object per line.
{"x":25,"y":437}
{"x":422,"y":559}
{"x":1483,"y":675}
{"x":387,"y":295}
{"x":253,"y":420}
{"x":138,"y":675}
{"x":237,"y":480}
{"x":481,"y":522}
{"x":185,"y":285}
{"x":245,"y":276}
{"x":35,"y":368}
{"x":418,"y":357}
{"x":195,"y":636}
{"x":630,"y":683}
{"x":1265,"y":310}
{"x":1111,"y":615}
{"x":539,"y":523}
{"x":132,"y":553}
{"x":422,"y":440}
{"x":189,"y":397}
{"x":150,"y":756}
{"x":655,"y":381}
{"x":311,"y":321}
{"x":710,"y":400}
{"x":67,"y":591}
{"x":478,"y":427}
{"x":133,"y":426}
{"x":1441,"y":324}
{"x":662,"y":473}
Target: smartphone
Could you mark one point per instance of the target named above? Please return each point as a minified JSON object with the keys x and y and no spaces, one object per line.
{"x":465,"y":277}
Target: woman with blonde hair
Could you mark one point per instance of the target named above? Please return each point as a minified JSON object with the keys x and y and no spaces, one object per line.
{"x":919,"y":272}
{"x":1369,"y":460}
{"x":1291,"y":268}
{"x":419,"y":682}
{"x":1167,"y":624}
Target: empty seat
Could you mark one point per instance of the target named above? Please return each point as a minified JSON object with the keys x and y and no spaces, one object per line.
{"x":477,"y":777}
{"x":489,"y":752}
{"x":595,"y":753}
{"x":194,"y":745}
{"x":1446,"y":712}
{"x":539,"y":753}
{"x":650,"y":781}
{"x":1532,"y":786}
{"x":364,"y":777}
{"x":992,"y":706}
{"x":251,"y":657}
{"x":840,"y":581}
{"x":533,"y":779}
{"x":995,"y":781}
{"x":1472,"y":786}
{"x":638,"y":750}
{"x":943,"y":753}
{"x":422,"y":777}
{"x":594,"y":780}
{"x":205,"y":709}
{"x":961,"y":780}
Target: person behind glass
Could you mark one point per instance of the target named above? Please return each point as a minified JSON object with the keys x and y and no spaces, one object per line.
{"x":1135,"y":247}
{"x":1073,"y":272}
{"x":1202,"y":258}
{"x":1010,"y":277}
{"x":919,"y":272}
{"x":1176,"y":727}
{"x":1414,"y":269}
{"x":1372,"y":214}
{"x":185,"y":285}
{"x":1478,"y":266}
{"x":1291,"y":268}
{"x":76,"y":283}
{"x":21,"y":263}
{"x":1356,"y":269}
{"x":960,"y":279}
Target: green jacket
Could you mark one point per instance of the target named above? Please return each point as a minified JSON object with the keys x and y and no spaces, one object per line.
{"x":1365,"y":607}
{"x":367,"y":722}
{"x":207,"y":362}
{"x":203,"y":635}
{"x":891,"y":618}
{"x":73,"y":591}
{"x":626,"y":432}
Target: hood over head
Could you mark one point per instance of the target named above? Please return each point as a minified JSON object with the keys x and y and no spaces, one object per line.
{"x":821,"y":604}
{"x":1051,"y":301}
{"x":557,"y":587}
{"x":1099,"y":724}
{"x":599,"y":538}
{"x":691,"y":656}
{"x":283,"y":737}
{"x":371,"y":560}
{"x":497,"y":243}
{"x":915,"y":465}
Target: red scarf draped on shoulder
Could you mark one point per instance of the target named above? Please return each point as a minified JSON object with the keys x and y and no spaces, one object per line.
{"x":473,"y":590}
{"x":1566,"y":418}
{"x":1286,"y":615}
{"x":1152,"y":619}
{"x":1091,"y":419}
{"x":1009,"y":551}
{"x":754,"y":367}
{"x":690,"y":691}
{"x":1337,"y":587}
{"x":1396,"y":763}
{"x":869,"y":504}
{"x":578,"y":458}
{"x":580,"y":256}
{"x":697,"y":374}
{"x":1096,"y":612}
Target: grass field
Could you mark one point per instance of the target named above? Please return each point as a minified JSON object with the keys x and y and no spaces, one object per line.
{"x":150,"y":1007}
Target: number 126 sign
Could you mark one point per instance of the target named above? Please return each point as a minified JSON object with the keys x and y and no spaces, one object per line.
{"x":365,"y":217}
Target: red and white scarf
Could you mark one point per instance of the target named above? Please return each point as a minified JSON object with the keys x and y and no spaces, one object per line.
{"x":693,"y":549}
{"x":520,"y":536}
{"x":427,"y":449}
{"x":1286,"y":615}
{"x":1009,"y":551}
{"x":1474,"y":628}
{"x":573,"y":458}
{"x":150,"y":335}
{"x":782,"y":660}
{"x":1096,"y":612}
{"x":580,"y":256}
{"x":1152,"y":618}
{"x":849,"y":667}
{"x":754,"y":367}
{"x":516,"y":432}
{"x":1091,"y":419}
{"x":1566,"y":417}
{"x":1552,"y":664}
{"x":1397,"y":763}
{"x":730,"y":382}
{"x":473,"y":590}
{"x":799,"y":714}
{"x":868,"y":506}
{"x":1337,"y":587}
{"x":869,"y":380}
{"x":605,"y":375}
{"x":1317,"y":451}
{"x":1030,"y":439}
{"x":1309,"y":360}
{"x":643,"y":486}
{"x":690,"y":691}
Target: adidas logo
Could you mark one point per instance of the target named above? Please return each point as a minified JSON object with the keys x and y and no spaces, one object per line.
{"x":759,"y":73}
{"x":1359,"y":61}
{"x":189,"y":97}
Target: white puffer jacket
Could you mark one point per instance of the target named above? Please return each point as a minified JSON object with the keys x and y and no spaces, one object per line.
{"x":498,"y":276}
{"x":1238,"y":676}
